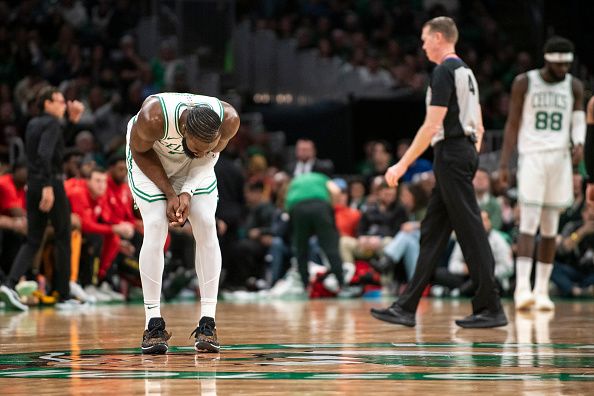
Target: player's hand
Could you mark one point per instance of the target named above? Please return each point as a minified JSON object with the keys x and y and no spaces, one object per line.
{"x":394,"y":173}
{"x":171,"y":210}
{"x":183,"y":210}
{"x":221,"y":227}
{"x":504,"y":177}
{"x":590,"y":194}
{"x":577,"y":153}
{"x":47,"y":199}
{"x":75,"y":110}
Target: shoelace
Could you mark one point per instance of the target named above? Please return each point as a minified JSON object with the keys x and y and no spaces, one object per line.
{"x":157,"y":332}
{"x":205,"y":328}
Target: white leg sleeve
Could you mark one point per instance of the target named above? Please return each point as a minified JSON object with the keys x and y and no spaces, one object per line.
{"x":549,"y":222}
{"x":529,"y":219}
{"x":208,"y":252}
{"x":151,"y":254}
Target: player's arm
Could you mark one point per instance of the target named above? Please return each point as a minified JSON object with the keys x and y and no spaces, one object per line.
{"x":512,"y":126}
{"x":228,"y":128}
{"x":145,"y":132}
{"x":578,"y":122}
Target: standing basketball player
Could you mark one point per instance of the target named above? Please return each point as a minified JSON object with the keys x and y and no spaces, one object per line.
{"x":173,"y":144}
{"x":454,"y":126}
{"x":546,"y":119}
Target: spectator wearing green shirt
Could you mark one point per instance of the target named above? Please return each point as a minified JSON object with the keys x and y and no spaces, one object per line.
{"x":309,"y":203}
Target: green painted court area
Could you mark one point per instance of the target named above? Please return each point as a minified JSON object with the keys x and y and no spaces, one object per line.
{"x":365,"y":361}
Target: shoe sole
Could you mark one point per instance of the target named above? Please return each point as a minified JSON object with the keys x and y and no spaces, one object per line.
{"x":203,"y":346}
{"x":159,"y":349}
{"x":8,"y":300}
{"x":390,"y":319}
{"x":481,"y":325}
{"x":524,"y":305}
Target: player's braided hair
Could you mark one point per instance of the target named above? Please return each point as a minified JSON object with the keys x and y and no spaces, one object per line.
{"x":203,"y":123}
{"x":558,"y":44}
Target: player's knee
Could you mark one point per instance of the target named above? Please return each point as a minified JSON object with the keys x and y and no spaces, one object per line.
{"x":529,"y":219}
{"x":549,"y":222}
{"x":154,"y":225}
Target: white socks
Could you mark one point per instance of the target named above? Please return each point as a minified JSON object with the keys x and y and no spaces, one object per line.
{"x":151,"y":310}
{"x":523,"y":272}
{"x":543,"y":275}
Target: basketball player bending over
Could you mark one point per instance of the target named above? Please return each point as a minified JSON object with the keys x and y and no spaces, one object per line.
{"x":547,"y":120}
{"x":173,"y":144}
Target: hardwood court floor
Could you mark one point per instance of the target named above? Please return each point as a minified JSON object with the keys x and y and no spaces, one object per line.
{"x":299,"y":347}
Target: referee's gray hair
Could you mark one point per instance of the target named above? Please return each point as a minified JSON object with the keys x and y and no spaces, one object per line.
{"x":444,"y":25}
{"x":203,"y":123}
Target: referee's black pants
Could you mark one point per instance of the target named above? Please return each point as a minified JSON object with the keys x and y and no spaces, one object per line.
{"x":315,"y":217}
{"x":453,"y":206}
{"x":37,"y":221}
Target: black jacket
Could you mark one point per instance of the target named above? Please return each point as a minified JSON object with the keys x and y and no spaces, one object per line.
{"x":44,"y":146}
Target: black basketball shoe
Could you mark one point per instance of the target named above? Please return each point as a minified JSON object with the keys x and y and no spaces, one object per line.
{"x":206,"y":336}
{"x":154,"y":340}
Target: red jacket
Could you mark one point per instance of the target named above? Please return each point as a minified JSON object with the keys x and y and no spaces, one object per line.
{"x":72,"y":184}
{"x":119,"y":202}
{"x":10,"y":196}
{"x":347,"y":220}
{"x":90,"y":210}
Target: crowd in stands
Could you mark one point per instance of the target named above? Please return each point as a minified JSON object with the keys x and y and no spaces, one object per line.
{"x":380,"y":41}
{"x":87,"y":50}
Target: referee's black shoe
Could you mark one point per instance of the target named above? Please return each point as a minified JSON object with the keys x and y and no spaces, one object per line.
{"x":394,"y":314}
{"x":484,"y":319}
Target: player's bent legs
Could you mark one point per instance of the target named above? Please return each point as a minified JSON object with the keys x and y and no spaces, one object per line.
{"x":208,"y":252}
{"x":152,"y":259}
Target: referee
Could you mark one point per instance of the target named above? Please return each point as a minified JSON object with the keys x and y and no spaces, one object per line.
{"x":46,"y":199}
{"x":454,"y":126}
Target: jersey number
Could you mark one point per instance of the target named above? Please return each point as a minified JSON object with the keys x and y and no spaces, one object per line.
{"x":471,"y":85}
{"x":552,"y":121}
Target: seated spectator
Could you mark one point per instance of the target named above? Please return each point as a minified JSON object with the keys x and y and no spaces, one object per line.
{"x":119,"y":203}
{"x":456,"y":277}
{"x":488,"y":203}
{"x":573,"y":272}
{"x":306,"y":160}
{"x":381,"y":160}
{"x":90,"y":206}
{"x":72,"y":170}
{"x":377,"y":226}
{"x":421,"y":165}
{"x":13,"y":220}
{"x":347,"y":218}
{"x":248,"y":254}
{"x":406,"y":244}
{"x":357,"y":194}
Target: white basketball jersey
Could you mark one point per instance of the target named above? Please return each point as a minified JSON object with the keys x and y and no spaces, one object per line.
{"x":170,"y":146}
{"x":546,"y":116}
